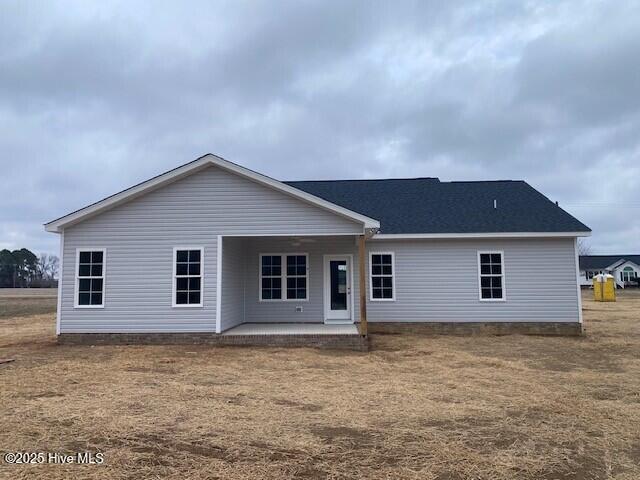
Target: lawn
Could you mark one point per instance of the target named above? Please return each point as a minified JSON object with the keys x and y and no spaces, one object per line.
{"x":20,"y":302}
{"x":420,"y":407}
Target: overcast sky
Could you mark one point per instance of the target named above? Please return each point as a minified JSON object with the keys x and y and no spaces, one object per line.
{"x":97,"y":96}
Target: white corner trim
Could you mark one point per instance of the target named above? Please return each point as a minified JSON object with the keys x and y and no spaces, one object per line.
{"x":393,"y":277}
{"x":578,"y":289}
{"x":174,"y":259}
{"x":416,"y":236}
{"x":77,"y":277}
{"x":219,"y":286}
{"x":502,"y":275}
{"x":198,"y":164}
{"x":60,"y":277}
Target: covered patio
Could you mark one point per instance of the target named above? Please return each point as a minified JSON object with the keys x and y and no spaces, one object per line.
{"x":317,"y":335}
{"x":297,"y":285}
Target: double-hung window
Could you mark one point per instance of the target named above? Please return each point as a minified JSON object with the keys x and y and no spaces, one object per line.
{"x":284,"y":276}
{"x":270,"y":277}
{"x":187,"y":277}
{"x":90,"y":265}
{"x":382,"y":271}
{"x":491,"y":276}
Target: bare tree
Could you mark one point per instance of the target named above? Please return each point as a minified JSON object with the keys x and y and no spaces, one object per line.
{"x":54,"y":266}
{"x":583,"y":247}
{"x":48,"y":266}
{"x":41,"y":266}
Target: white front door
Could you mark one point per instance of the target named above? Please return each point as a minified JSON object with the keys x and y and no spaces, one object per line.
{"x":338,"y":282}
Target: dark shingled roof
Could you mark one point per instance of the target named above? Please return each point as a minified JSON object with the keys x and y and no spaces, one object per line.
{"x":427,"y":205}
{"x":599,"y":262}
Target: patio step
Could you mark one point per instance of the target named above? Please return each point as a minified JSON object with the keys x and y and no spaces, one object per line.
{"x":325,"y":341}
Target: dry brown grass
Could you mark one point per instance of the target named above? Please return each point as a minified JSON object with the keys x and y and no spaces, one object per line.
{"x":20,"y":302}
{"x":415,"y":407}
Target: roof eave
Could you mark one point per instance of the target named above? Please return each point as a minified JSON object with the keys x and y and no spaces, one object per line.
{"x":409,"y":236}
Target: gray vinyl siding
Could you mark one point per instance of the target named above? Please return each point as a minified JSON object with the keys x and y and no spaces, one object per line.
{"x":233,"y":273}
{"x":285,"y":311}
{"x":437,"y":281}
{"x":140,"y":235}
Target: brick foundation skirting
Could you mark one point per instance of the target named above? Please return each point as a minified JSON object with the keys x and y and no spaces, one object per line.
{"x":339,"y":342}
{"x":479,"y":328}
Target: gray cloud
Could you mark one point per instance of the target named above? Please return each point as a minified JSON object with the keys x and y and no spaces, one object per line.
{"x":96,"y":97}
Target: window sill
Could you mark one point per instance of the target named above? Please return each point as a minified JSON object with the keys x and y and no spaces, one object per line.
{"x":84,"y":307}
{"x":284,"y":300}
{"x":188,"y":305}
{"x":382,"y":299}
{"x":493,"y":300}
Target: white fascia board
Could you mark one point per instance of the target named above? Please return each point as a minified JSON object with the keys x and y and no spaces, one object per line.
{"x":56,"y":226}
{"x":615,"y":264}
{"x":622,"y":264}
{"x":412,"y":236}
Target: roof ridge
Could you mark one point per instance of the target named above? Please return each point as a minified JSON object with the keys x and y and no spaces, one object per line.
{"x":362,"y":180}
{"x":484,"y":181}
{"x":402,"y":178}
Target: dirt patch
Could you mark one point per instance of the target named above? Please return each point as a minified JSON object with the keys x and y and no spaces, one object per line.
{"x":361,"y":438}
{"x":634,"y":452}
{"x":154,"y":370}
{"x":274,"y":452}
{"x":44,"y":395}
{"x":305,"y":407}
{"x":161,"y":445}
{"x":583,"y":467}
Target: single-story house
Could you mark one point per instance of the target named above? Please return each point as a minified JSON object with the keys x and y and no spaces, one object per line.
{"x":212,"y":249}
{"x":624,"y":268}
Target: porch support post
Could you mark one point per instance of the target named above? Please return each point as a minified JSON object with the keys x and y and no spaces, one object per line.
{"x":218,"y":285}
{"x":363,"y":286}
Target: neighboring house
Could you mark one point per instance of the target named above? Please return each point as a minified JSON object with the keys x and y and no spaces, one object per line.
{"x":210,"y":247}
{"x":624,"y":268}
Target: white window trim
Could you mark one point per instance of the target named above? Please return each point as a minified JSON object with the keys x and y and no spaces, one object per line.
{"x":174,"y":283}
{"x":393,"y":277}
{"x":628,"y":273}
{"x":504,"y":284}
{"x":283,"y":276}
{"x":77,"y":282}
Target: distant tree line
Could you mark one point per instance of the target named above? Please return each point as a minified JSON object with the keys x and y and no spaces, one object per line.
{"x":24,"y":269}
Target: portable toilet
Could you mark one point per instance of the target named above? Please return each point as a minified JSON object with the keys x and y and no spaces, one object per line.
{"x":604,"y":288}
